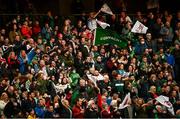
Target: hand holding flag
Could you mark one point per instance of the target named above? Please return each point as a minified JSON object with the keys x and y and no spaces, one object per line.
{"x":106,"y":9}
{"x":125,"y":102}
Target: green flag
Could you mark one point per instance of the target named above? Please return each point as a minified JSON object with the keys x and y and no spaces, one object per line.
{"x":105,"y":36}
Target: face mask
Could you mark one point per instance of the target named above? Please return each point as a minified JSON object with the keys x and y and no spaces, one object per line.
{"x":142,"y":42}
{"x":74,"y":71}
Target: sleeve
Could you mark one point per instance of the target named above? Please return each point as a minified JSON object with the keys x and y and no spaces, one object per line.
{"x":75,"y":112}
{"x":21,"y":62}
{"x":31,"y":55}
{"x":99,"y":101}
{"x":9,"y":61}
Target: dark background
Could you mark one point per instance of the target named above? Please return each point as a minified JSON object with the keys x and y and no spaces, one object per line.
{"x":69,"y":7}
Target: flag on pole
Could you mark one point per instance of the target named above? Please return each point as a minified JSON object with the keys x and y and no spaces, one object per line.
{"x":106,"y":36}
{"x":124,"y":103}
{"x":102,"y":24}
{"x":165,"y":101}
{"x":106,"y":9}
{"x":139,"y":28}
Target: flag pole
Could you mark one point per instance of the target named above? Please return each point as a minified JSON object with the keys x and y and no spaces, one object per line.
{"x":94,"y":37}
{"x":97,"y":14}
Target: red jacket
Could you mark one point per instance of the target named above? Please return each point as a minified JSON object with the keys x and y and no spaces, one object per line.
{"x":105,"y":114}
{"x":26,"y":31}
{"x":36,"y":29}
{"x":99,"y":101}
{"x":77,"y":112}
{"x":12,"y":63}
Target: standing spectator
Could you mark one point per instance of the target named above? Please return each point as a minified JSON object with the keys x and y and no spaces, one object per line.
{"x":156,"y":28}
{"x":118,"y":85}
{"x":140,"y":47}
{"x":78,"y":111}
{"x":169,"y":58}
{"x":25,"y":59}
{"x":46,"y":32}
{"x":49,"y":112}
{"x":105,"y":113}
{"x":13,"y":33}
{"x":152,"y":92}
{"x":167,"y":34}
{"x":26,"y":30}
{"x":65,"y":109}
{"x":91,"y":110}
{"x":124,"y":18}
{"x":79,"y":63}
{"x":13,"y":64}
{"x":40,"y":108}
{"x":140,"y":109}
{"x":12,"y":108}
{"x":3,"y":101}
{"x":36,"y":30}
{"x":151,"y":43}
{"x":99,"y":65}
{"x":31,"y":115}
{"x":176,"y":54}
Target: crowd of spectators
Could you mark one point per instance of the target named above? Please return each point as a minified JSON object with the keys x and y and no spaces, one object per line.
{"x":51,"y":69}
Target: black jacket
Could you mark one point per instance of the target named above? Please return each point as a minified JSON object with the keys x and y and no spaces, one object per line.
{"x":89,"y":113}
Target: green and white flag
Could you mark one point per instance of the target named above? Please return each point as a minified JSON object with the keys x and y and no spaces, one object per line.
{"x":109,"y":37}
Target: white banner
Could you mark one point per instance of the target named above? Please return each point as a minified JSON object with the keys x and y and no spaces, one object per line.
{"x":139,"y":28}
{"x":106,"y":9}
{"x":165,"y":101}
{"x":102,"y":24}
{"x":124,"y":103}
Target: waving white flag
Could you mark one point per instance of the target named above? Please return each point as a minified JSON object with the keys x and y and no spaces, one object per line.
{"x":165,"y":101}
{"x":106,"y":9}
{"x":139,"y":28}
{"x":124,"y":103}
{"x":102,"y":24}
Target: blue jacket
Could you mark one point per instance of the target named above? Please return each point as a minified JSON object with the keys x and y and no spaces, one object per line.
{"x":170,"y":59}
{"x":139,"y":48}
{"x":22,"y":65}
{"x":40,"y":112}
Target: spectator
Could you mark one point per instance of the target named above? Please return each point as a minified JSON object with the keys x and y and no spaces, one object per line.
{"x":43,"y":76}
{"x":13,"y":33}
{"x":36,"y":29}
{"x":167,"y":33}
{"x":40,"y":109}
{"x":24,"y":60}
{"x":65,"y":107}
{"x":26,"y":30}
{"x":32,"y":115}
{"x":91,"y":110}
{"x":78,"y":111}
